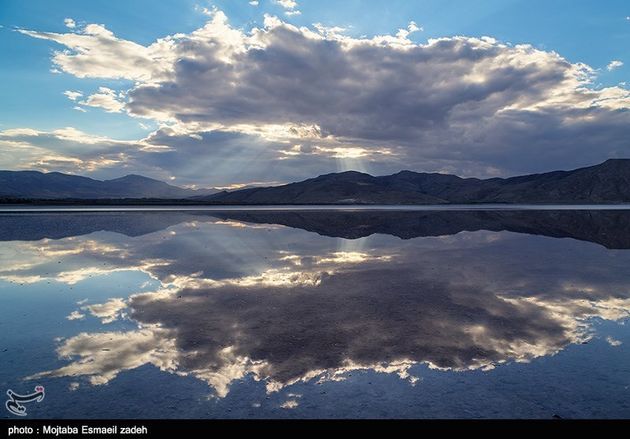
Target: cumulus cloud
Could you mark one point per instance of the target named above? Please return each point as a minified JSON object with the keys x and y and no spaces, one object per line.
{"x":614,"y":64}
{"x":95,"y":52}
{"x":411,"y":28}
{"x":75,"y":315}
{"x":614,"y":343}
{"x":290,"y":7}
{"x":70,"y":23}
{"x":107,"y":99}
{"x":287,"y":4}
{"x":473,"y":106}
{"x":108,"y":312}
{"x":73,"y":95}
{"x":290,"y":404}
{"x":132,"y":349}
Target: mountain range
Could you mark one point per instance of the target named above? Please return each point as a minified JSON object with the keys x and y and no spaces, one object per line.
{"x":55,"y":186}
{"x":608,"y":182}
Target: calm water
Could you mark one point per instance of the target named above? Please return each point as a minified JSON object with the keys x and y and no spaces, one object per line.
{"x":267,"y":314}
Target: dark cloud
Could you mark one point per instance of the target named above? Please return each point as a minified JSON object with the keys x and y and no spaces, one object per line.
{"x":472,"y":106}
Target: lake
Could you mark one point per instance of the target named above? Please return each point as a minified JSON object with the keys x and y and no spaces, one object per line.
{"x":393,"y":312}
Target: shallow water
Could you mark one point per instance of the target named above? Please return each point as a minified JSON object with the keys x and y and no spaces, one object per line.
{"x":269,"y":313}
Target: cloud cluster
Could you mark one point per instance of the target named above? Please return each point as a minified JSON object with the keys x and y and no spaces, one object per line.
{"x":76,"y":152}
{"x":65,"y":150}
{"x":473,"y":106}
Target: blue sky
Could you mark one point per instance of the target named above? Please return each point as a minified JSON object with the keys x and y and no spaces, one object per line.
{"x":580,"y":31}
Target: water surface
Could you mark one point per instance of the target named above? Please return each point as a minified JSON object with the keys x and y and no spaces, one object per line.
{"x":267,"y":313}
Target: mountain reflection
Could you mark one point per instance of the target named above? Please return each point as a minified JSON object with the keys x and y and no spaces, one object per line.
{"x":281,"y":305}
{"x":607,"y":228}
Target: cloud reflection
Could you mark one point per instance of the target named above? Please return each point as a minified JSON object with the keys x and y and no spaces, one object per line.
{"x":284,"y":306}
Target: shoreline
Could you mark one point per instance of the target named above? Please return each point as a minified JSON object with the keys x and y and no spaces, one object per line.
{"x":78,"y":208}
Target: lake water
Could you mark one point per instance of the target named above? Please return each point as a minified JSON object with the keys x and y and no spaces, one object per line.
{"x":311,"y":313}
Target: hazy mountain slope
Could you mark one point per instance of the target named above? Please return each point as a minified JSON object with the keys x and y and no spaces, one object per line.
{"x":54,"y":185}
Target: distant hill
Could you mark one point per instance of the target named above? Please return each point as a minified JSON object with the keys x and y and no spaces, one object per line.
{"x":343,"y":188}
{"x":608,"y":182}
{"x":55,"y":185}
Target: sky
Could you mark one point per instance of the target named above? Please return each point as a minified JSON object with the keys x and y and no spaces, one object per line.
{"x":229,"y":93}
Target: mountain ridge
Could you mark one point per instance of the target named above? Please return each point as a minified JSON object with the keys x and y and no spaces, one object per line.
{"x":608,"y":182}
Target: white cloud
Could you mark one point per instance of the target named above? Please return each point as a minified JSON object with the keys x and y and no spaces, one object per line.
{"x":76,"y":315}
{"x":107,"y":99}
{"x":290,"y":7}
{"x":73,"y":95}
{"x":411,"y":28}
{"x":96,"y":53}
{"x":70,"y":23}
{"x":254,"y":2}
{"x":290,"y":404}
{"x":287,"y":4}
{"x":614,"y":343}
{"x":108,"y":312}
{"x":103,"y":356}
{"x":615,"y":64}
